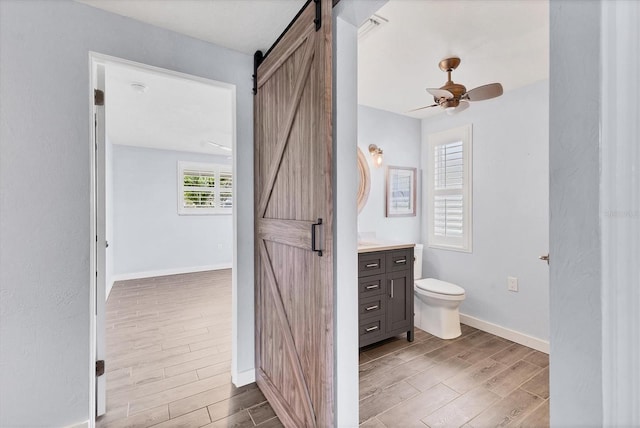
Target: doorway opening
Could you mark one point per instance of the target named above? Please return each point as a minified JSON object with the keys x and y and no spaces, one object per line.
{"x":500,"y":358}
{"x":164,"y":227}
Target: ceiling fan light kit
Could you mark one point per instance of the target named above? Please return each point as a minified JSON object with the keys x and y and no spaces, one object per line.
{"x":454,"y":97}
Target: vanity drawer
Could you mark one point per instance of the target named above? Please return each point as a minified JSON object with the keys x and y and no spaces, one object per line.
{"x":371,"y":264}
{"x":372,"y":286}
{"x":371,"y":330}
{"x":400,"y":260}
{"x":371,"y":307}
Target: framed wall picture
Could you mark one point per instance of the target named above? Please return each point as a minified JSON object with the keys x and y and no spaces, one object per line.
{"x":401,"y":191}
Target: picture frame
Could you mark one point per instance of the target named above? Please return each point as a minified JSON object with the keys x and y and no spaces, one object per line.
{"x":401,"y":191}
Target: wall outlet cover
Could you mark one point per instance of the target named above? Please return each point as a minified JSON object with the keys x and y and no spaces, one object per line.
{"x":512,"y":283}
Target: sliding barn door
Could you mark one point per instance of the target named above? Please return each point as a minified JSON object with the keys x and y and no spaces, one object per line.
{"x":293,"y":200}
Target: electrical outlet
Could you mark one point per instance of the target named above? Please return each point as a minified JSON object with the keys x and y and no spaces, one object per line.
{"x":512,"y":283}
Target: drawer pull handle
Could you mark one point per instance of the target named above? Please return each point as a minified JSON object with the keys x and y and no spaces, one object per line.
{"x":371,"y":308}
{"x":401,"y":261}
{"x":373,"y":287}
{"x":392,"y":288}
{"x":370,"y":329}
{"x":371,"y":265}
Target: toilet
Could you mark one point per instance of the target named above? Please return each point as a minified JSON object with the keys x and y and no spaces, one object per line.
{"x":436,"y":303}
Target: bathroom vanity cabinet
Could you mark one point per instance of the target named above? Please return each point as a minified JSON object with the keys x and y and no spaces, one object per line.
{"x":385,"y":292}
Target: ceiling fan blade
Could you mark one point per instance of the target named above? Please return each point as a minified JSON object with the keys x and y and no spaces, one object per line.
{"x":484,"y":92}
{"x":440,"y":93}
{"x":422,"y":108}
{"x":462,"y":106}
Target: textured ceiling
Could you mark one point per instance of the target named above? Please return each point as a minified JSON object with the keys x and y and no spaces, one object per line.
{"x":498,"y":41}
{"x":172,"y":113}
{"x":241,"y":25}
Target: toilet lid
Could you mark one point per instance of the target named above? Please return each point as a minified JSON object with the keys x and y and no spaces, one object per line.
{"x":441,"y":287}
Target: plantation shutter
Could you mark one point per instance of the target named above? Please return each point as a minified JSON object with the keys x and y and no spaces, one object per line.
{"x":226,"y":184}
{"x":449,"y":189}
{"x":448,"y":206}
{"x":204,"y":188}
{"x":199,"y":189}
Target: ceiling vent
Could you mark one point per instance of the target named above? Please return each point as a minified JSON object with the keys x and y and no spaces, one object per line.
{"x":372,"y":24}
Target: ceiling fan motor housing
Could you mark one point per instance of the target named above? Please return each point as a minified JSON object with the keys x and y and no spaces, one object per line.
{"x":450,"y":103}
{"x":456,"y":89}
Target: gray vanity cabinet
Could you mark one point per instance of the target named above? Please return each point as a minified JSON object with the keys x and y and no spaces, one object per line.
{"x":385,"y":284}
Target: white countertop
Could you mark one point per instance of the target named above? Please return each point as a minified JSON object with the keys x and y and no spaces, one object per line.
{"x":370,"y":246}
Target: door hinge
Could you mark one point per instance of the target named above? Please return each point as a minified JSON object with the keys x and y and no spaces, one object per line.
{"x":99,"y":368}
{"x":318,"y":20}
{"x":98,"y":97}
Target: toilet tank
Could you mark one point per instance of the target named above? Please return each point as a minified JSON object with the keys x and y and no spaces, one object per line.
{"x":417,"y":264}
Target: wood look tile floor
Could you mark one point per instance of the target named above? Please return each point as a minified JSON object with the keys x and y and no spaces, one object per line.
{"x":169,"y":361}
{"x":169,"y":356}
{"x":476,"y":380}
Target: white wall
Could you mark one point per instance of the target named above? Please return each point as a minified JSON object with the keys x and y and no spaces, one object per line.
{"x":109,"y":215}
{"x":149,"y":235}
{"x":399,"y":138}
{"x":575,"y":238}
{"x":510,"y":211}
{"x":347,"y":17}
{"x":620,"y":214}
{"x":45,"y":147}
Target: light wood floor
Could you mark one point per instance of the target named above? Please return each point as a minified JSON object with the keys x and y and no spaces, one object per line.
{"x":476,"y":380}
{"x":169,"y":356}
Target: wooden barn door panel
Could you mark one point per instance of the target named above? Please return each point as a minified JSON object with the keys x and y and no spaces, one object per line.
{"x":294,"y":283}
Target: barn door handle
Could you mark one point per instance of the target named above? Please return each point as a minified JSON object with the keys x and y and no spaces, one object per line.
{"x":313,"y":237}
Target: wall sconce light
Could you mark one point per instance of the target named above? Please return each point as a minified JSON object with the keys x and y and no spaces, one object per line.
{"x":376,"y":153}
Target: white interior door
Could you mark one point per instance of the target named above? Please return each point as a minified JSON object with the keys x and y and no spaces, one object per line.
{"x":99,"y":137}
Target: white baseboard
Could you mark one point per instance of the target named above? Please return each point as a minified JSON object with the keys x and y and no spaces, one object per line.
{"x":84,"y":424}
{"x":512,"y":335}
{"x":165,"y":272}
{"x":244,"y":378}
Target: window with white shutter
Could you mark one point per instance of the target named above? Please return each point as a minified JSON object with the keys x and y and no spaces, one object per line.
{"x":204,"y":188}
{"x":449,"y":179}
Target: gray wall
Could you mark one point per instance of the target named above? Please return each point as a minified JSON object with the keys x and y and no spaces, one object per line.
{"x":575,"y":274}
{"x":45,"y":147}
{"x":347,"y":17}
{"x":620,"y":214}
{"x":149,"y":235}
{"x":510,"y":211}
{"x":399,"y":138}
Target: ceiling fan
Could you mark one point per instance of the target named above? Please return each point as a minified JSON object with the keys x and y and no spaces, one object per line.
{"x":454,"y":97}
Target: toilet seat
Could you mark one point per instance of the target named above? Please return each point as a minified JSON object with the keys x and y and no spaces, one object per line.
{"x":437,"y":287}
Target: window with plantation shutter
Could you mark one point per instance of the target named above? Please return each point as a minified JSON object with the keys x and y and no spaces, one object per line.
{"x":449,"y":189}
{"x":204,"y":188}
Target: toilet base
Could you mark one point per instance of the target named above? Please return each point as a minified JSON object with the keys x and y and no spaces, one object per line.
{"x":442,"y":320}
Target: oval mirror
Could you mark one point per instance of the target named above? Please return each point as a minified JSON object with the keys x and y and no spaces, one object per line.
{"x":364,"y":180}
